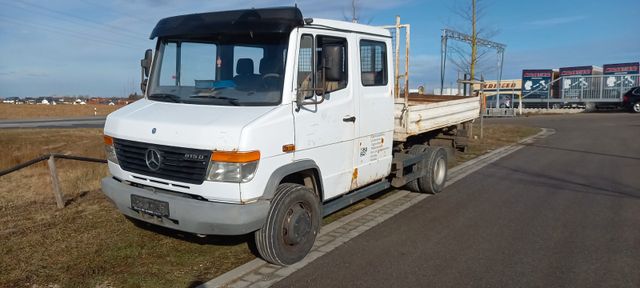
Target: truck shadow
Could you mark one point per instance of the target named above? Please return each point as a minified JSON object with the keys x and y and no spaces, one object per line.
{"x":192,"y":238}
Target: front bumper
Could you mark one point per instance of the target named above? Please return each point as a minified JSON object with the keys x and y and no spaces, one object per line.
{"x":190,"y":215}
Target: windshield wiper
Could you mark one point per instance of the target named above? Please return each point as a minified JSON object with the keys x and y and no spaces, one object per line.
{"x":165,"y":96}
{"x":233,"y":101}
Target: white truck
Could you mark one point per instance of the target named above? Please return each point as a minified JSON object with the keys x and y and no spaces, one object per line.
{"x":261,"y":121}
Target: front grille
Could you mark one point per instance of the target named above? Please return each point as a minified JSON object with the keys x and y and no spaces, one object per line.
{"x":178,"y":164}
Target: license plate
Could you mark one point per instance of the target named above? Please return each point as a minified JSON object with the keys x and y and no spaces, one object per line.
{"x":150,"y":206}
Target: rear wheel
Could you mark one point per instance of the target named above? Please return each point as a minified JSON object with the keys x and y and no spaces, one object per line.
{"x":635,"y":108}
{"x":291,"y":227}
{"x":435,"y":169}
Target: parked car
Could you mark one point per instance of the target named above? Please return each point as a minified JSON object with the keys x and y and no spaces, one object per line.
{"x":631,"y":100}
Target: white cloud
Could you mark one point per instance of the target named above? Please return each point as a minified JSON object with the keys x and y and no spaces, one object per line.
{"x":557,"y":20}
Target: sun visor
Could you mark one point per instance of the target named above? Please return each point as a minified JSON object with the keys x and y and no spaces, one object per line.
{"x":259,"y":21}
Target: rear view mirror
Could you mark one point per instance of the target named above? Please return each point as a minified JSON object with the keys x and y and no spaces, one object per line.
{"x":146,"y":62}
{"x":333,"y":60}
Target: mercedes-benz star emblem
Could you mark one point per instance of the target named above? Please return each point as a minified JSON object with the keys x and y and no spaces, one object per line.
{"x":153,"y":159}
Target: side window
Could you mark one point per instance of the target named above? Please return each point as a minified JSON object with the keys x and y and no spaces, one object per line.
{"x":373,"y":63}
{"x":331,"y":86}
{"x":637,"y":91}
{"x":305,"y":65}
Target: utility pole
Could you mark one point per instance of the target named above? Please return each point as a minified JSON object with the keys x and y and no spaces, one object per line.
{"x":474,"y":40}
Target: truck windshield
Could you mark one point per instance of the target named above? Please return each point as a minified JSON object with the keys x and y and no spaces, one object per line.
{"x":250,"y":73}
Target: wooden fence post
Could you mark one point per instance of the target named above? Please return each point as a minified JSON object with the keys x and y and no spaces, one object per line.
{"x":55,"y":182}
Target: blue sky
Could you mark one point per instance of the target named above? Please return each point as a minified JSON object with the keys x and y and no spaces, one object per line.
{"x":93,"y":47}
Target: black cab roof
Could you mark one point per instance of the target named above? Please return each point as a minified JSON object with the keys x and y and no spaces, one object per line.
{"x":259,"y":21}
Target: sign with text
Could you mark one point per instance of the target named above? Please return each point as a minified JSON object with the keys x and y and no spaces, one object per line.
{"x":621,"y":76}
{"x":536,"y":83}
{"x":572,"y":84}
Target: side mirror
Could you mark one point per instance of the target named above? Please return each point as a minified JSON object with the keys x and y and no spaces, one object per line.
{"x":146,"y":62}
{"x":333,"y":60}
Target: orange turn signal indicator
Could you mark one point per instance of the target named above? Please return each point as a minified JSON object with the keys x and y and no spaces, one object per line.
{"x":288,"y":148}
{"x":108,"y":140}
{"x":235,"y":156}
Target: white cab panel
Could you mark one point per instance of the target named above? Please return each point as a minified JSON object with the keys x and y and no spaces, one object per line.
{"x":322,"y":135}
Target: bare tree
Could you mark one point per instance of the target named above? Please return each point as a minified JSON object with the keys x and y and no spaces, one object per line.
{"x":472,"y":59}
{"x":355,"y":13}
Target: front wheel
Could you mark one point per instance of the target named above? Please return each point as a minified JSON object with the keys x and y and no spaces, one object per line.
{"x":291,"y":226}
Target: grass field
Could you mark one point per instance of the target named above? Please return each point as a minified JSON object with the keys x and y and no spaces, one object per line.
{"x":25,"y":111}
{"x":89,"y":244}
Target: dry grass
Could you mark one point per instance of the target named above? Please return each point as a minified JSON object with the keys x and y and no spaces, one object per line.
{"x":25,"y":111}
{"x":495,"y":136}
{"x":89,"y":243}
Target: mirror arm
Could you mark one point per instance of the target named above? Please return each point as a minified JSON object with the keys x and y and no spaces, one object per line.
{"x":323,"y":91}
{"x":142,"y":82}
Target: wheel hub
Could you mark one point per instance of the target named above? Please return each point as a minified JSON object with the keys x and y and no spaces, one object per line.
{"x":297,"y":224}
{"x":440,"y":171}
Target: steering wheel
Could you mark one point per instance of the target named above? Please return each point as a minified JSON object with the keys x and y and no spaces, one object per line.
{"x":268,"y":78}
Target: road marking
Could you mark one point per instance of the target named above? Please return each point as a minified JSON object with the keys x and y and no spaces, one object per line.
{"x":258,"y":273}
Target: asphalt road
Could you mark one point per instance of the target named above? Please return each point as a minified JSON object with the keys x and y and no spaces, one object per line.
{"x":87,"y":122}
{"x":562,"y":212}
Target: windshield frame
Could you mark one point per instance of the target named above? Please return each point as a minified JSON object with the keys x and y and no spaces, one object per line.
{"x":211,"y":99}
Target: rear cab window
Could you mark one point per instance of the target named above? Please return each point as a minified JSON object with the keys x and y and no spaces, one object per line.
{"x":373,"y":63}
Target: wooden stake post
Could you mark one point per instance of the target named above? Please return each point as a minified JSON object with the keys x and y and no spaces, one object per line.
{"x":55,"y":182}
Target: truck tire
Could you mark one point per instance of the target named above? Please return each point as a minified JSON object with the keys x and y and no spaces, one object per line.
{"x":291,"y":226}
{"x":435,"y":167}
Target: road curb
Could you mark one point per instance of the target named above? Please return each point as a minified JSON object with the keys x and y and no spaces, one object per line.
{"x":258,"y":273}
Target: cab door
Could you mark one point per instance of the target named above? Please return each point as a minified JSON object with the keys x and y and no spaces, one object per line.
{"x":325,"y":132}
{"x":375,"y":108}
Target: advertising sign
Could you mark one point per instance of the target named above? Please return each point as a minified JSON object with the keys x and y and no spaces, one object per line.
{"x":573,"y":85}
{"x":621,"y":76}
{"x":536,"y":83}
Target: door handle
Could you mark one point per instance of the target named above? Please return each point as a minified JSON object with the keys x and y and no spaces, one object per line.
{"x":349,"y":119}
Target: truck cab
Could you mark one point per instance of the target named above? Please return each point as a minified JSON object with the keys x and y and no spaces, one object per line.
{"x":251,"y":120}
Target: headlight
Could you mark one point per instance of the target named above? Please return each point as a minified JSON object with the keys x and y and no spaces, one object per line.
{"x":110,"y":150}
{"x":239,"y":167}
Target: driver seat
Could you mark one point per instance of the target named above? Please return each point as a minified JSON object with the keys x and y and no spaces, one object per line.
{"x":244,"y":69}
